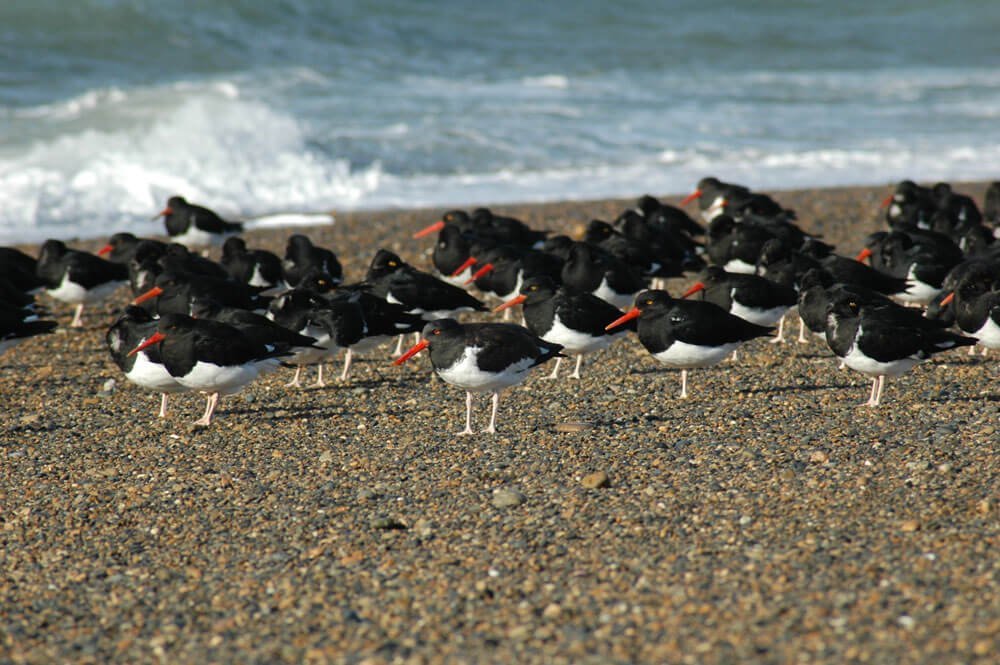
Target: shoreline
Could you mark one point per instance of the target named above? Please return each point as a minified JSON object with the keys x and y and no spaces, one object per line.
{"x":973,"y":188}
{"x":767,"y":518}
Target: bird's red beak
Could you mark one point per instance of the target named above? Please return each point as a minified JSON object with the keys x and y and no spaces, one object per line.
{"x":105,"y":250}
{"x":516,"y":300}
{"x":163,"y":213}
{"x":628,"y":316}
{"x":886,"y":201}
{"x":698,"y":286}
{"x":417,"y":348}
{"x":696,"y":194}
{"x":863,"y":255}
{"x":148,"y":295}
{"x":155,"y":338}
{"x":947,"y":299}
{"x":479,"y":273}
{"x":468,"y":263}
{"x":427,"y":230}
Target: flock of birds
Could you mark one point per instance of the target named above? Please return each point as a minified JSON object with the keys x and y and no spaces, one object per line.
{"x":215,"y":326}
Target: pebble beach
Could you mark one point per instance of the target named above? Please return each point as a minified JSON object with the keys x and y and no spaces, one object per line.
{"x":767,"y":518}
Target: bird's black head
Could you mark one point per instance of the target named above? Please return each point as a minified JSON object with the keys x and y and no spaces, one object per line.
{"x":234,"y":246}
{"x":384,"y":263}
{"x":598,"y":231}
{"x":652,"y":300}
{"x":843,"y":306}
{"x":538,"y":288}
{"x":435,"y":328}
{"x":175,"y":202}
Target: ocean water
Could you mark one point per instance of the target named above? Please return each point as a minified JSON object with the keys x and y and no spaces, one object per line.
{"x":107,"y":107}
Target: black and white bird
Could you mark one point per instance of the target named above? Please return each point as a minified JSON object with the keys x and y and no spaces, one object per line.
{"x":590,"y":269}
{"x":575,"y":321}
{"x":750,"y":297}
{"x":256,"y":267}
{"x":210,"y":357}
{"x":687,"y":334}
{"x":481,"y":357}
{"x":418,"y":292}
{"x":194,"y":225}
{"x":77,"y":277}
{"x":144,"y":368}
{"x":976,"y":301}
{"x":881,"y":342}
{"x":20,"y":323}
{"x":303,"y":258}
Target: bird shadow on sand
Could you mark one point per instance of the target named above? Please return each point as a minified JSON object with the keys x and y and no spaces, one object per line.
{"x":764,"y":390}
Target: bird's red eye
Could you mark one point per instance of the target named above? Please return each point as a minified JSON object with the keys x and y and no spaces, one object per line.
{"x":437,"y":332}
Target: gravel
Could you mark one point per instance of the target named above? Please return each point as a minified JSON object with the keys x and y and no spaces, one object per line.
{"x":767,"y":518}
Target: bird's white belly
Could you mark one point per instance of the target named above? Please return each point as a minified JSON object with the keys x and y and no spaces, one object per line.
{"x":762,"y":317}
{"x":607,"y":294}
{"x":989,"y":334}
{"x":573,"y":341}
{"x":466,"y":374}
{"x":153,"y":376}
{"x":861,"y":363}
{"x":687,"y":356}
{"x":75,"y":294}
{"x":212,"y":378}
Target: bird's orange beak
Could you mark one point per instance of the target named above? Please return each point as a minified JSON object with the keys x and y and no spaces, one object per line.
{"x":105,"y":250}
{"x":625,"y":318}
{"x":414,"y":350}
{"x":427,"y":230}
{"x":163,"y":213}
{"x":516,"y":300}
{"x":148,"y":295}
{"x":468,"y":263}
{"x":886,"y":201}
{"x":155,"y":338}
{"x":696,"y":194}
{"x":479,"y":273}
{"x":947,"y":299}
{"x":863,"y":255}
{"x":698,"y":286}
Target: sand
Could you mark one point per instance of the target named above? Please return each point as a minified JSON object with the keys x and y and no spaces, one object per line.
{"x":767,"y":518}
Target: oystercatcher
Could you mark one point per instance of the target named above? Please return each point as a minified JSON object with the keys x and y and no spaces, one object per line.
{"x":454,"y":252}
{"x":122,"y":247}
{"x":881,"y":342}
{"x":210,"y":357}
{"x":751,"y":297}
{"x":144,"y":368}
{"x":506,"y":268}
{"x":977,"y":305}
{"x":195,"y":226}
{"x":591,"y":270}
{"x":575,"y":321}
{"x":909,"y":206}
{"x":77,"y":277}
{"x":419,"y":292}
{"x":303,"y":257}
{"x":18,"y":324}
{"x":923,"y":259}
{"x":481,"y":357}
{"x":175,"y":291}
{"x":306,"y":312}
{"x":20,"y":270}
{"x":687,"y":333}
{"x":256,"y":267}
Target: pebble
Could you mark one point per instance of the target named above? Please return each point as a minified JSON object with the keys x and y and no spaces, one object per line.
{"x":595,"y":480}
{"x":507,"y":498}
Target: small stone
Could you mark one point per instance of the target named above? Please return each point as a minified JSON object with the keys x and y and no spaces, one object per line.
{"x":387,"y":523}
{"x":573,"y":426}
{"x":595,"y":480}
{"x":983,"y":507}
{"x":819,"y":457}
{"x":507,"y":498}
{"x":326,"y":457}
{"x":906,"y":621}
{"x":909,"y":526}
{"x":552,"y":611}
